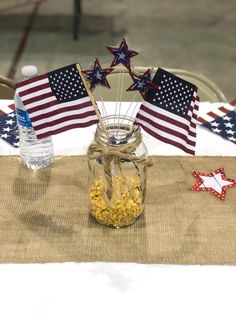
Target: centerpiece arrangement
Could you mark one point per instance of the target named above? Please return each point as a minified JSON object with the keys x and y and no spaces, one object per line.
{"x":117,"y":156}
{"x":63,"y":99}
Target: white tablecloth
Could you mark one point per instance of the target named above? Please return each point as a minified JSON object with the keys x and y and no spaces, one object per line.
{"x":75,"y":142}
{"x":72,"y":288}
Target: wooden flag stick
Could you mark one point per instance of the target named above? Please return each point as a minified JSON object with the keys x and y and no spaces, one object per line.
{"x":92,"y":99}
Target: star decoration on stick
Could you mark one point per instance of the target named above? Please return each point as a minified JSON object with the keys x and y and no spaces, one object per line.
{"x":122,"y":54}
{"x":142,"y":83}
{"x":97,"y":75}
{"x":216,"y":182}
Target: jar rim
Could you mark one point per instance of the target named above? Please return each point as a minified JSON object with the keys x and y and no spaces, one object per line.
{"x":118,"y":130}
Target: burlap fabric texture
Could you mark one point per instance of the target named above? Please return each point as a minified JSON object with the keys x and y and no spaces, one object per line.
{"x":44,"y":216}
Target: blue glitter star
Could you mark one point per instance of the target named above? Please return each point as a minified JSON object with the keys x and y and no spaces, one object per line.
{"x":97,"y":75}
{"x":122,"y":54}
{"x":142,"y":83}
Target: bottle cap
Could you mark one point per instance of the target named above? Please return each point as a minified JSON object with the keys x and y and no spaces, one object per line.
{"x":29,"y":71}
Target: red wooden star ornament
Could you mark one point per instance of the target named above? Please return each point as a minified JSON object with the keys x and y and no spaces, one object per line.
{"x":142,"y":83}
{"x":122,"y":54}
{"x":97,"y":75}
{"x":216,"y":182}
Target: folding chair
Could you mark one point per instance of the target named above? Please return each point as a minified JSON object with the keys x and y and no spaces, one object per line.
{"x":7,"y":88}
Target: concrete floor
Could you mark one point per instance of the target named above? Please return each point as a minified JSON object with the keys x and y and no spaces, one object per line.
{"x":193,"y":35}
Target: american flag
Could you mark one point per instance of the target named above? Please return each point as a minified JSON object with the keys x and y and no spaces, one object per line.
{"x":170,"y":113}
{"x":8,"y":125}
{"x":7,"y":109}
{"x":57,"y":101}
{"x":224,"y":126}
{"x":219,"y":110}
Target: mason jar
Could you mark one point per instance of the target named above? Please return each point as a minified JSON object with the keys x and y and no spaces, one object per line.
{"x":117,"y":160}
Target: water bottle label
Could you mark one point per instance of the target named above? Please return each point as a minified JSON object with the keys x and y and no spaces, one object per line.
{"x":23,"y":118}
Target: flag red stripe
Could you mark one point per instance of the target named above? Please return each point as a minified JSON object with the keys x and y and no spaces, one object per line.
{"x":31,"y":80}
{"x":213,"y":115}
{"x":194,"y":116}
{"x":64,"y":119}
{"x":168,"y":141}
{"x":223,"y":109}
{"x":12,"y":106}
{"x":166,"y":130}
{"x":164,"y":118}
{"x":61,"y":110}
{"x":233,"y":102}
{"x":34,"y":89}
{"x":192,"y":124}
{"x":201,"y":120}
{"x":191,"y":133}
{"x":53,"y":103}
{"x":41,"y":107}
{"x":37,"y":98}
{"x":66,"y":128}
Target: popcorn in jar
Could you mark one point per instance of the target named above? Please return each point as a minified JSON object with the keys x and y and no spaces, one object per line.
{"x":117,"y":160}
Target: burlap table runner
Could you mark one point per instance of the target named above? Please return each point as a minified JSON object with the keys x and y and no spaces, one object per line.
{"x":44,"y":216}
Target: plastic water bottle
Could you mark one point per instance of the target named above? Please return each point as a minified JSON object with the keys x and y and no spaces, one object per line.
{"x":35,"y":153}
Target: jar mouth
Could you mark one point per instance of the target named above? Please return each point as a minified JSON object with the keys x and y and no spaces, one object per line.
{"x":120,"y":130}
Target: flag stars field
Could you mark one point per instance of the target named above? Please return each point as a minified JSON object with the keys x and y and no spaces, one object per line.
{"x":224,"y":126}
{"x":8,"y":126}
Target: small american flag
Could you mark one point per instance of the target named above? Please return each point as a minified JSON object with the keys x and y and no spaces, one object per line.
{"x":57,"y":101}
{"x":219,"y":110}
{"x":8,"y":125}
{"x":224,"y":126}
{"x":170,"y":113}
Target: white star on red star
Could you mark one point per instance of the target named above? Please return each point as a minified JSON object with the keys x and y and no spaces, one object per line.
{"x":216,"y":182}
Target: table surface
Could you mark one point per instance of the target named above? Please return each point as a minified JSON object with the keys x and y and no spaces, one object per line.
{"x":119,"y":287}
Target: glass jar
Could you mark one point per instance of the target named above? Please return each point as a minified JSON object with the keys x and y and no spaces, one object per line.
{"x":117,"y":160}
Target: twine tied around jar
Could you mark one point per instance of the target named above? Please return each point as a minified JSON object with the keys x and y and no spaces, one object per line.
{"x":115,"y":153}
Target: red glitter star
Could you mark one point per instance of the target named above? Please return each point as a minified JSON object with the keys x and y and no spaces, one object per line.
{"x":216,"y":182}
{"x":97,"y":75}
{"x":122,"y":54}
